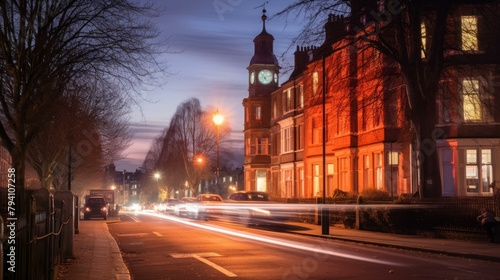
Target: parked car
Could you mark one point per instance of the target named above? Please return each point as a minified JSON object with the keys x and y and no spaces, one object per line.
{"x":205,"y":207}
{"x":254,"y":207}
{"x":95,"y":206}
{"x":180,"y":208}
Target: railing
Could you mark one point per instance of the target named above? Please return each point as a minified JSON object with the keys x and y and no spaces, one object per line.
{"x":42,"y":234}
{"x":445,"y":216}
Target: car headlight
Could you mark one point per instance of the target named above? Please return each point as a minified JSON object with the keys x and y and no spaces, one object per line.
{"x":87,"y":209}
{"x":260,"y":212}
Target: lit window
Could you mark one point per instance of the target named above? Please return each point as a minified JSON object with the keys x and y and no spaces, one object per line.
{"x":316,"y":180}
{"x":289,"y":192}
{"x":261,"y":180}
{"x":393,"y":158}
{"x":329,"y":178}
{"x":478,"y":170}
{"x":423,"y":33}
{"x":287,"y":104}
{"x":258,"y":113}
{"x":366,"y":170}
{"x":469,"y":33}
{"x":471,"y":102}
{"x":315,"y":82}
{"x":378,"y":170}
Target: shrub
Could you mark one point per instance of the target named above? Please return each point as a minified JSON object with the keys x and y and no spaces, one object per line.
{"x":375,"y":195}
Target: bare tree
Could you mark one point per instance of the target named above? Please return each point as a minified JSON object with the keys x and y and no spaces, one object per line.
{"x":191,"y":135}
{"x":394,"y":29}
{"x":90,"y":132}
{"x":46,"y":46}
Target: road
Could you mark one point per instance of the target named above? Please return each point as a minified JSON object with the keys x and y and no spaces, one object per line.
{"x":166,"y":247}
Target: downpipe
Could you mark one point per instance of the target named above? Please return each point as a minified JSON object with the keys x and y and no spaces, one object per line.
{"x":1,"y":248}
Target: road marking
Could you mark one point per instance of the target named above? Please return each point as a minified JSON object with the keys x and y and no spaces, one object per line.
{"x":157,"y":233}
{"x":202,"y":257}
{"x":133,"y":234}
{"x":135,"y":219}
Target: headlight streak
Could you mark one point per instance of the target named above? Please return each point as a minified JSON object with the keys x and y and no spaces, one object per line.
{"x":274,"y":241}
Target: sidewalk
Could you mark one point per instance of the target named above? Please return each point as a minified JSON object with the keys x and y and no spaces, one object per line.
{"x":450,"y":247}
{"x":97,"y":255}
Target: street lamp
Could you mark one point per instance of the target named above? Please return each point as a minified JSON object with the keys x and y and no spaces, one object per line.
{"x":218,"y":120}
{"x":157,"y":177}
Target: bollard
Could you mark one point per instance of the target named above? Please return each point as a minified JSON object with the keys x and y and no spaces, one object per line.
{"x":358,"y":218}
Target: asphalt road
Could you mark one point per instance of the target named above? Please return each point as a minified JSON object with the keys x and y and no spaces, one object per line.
{"x":166,"y":247}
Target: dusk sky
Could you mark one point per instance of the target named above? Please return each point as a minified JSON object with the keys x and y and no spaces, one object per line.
{"x":216,"y":42}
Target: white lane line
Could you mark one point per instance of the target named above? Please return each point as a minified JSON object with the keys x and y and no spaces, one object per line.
{"x":135,"y":219}
{"x":277,"y":241}
{"x":157,"y":233}
{"x":201,"y":257}
{"x":133,"y":234}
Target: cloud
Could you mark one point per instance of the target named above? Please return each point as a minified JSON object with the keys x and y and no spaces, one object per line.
{"x":217,"y":45}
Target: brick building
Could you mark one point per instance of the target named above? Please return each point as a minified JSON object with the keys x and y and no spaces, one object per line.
{"x":358,"y":96}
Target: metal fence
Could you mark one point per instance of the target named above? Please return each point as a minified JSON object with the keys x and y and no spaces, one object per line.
{"x":40,"y":234}
{"x":409,"y":215}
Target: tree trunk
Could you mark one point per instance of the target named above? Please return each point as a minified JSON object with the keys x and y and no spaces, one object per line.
{"x":426,"y":136}
{"x":19,"y":164}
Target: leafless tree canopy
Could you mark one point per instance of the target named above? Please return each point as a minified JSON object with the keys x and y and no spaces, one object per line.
{"x":49,"y":49}
{"x":190,"y":136}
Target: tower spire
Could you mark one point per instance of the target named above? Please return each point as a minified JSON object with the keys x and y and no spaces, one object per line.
{"x":264,"y":16}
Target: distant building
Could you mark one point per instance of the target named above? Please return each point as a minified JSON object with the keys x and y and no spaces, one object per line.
{"x":127,"y":184}
{"x":231,"y":180}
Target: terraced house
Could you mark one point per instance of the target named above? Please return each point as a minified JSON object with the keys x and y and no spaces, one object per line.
{"x":348,"y":117}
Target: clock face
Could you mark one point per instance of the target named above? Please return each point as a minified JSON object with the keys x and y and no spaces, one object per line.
{"x":265,"y":76}
{"x":275,"y":78}
{"x":252,"y":77}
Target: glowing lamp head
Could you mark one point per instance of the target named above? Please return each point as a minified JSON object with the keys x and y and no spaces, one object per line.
{"x":218,"y":118}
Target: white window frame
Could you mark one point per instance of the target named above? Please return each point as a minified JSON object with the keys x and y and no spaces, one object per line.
{"x":478,"y":171}
{"x":287,"y":139}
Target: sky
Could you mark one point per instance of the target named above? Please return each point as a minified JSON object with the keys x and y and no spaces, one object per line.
{"x":213,"y":41}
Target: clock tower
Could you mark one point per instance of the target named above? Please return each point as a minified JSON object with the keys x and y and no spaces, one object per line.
{"x":263,"y":69}
{"x":262,"y":81}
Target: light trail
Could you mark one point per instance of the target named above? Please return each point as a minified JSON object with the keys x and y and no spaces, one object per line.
{"x":275,"y":241}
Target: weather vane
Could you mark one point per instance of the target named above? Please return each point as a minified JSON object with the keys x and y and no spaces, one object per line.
{"x":263,"y":6}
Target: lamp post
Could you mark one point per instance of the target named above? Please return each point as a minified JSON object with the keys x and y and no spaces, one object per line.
{"x":218,"y":120}
{"x":157,"y":177}
{"x":325,"y":212}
